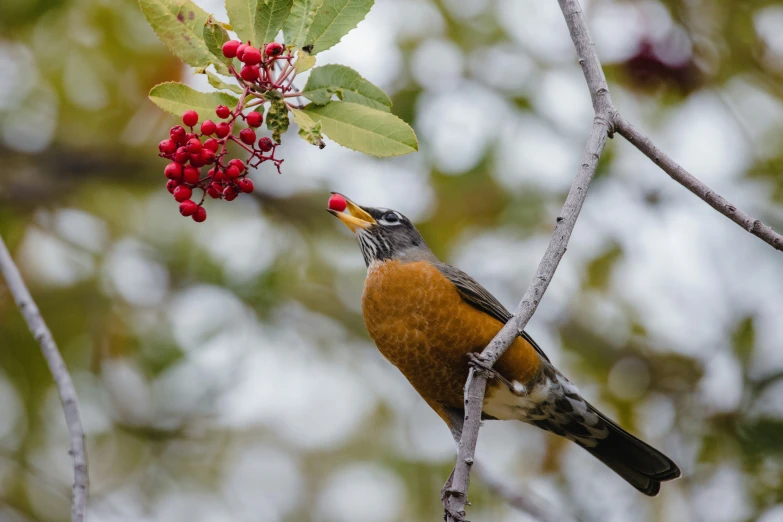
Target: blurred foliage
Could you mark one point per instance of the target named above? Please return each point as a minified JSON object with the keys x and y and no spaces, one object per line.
{"x":79,"y":134}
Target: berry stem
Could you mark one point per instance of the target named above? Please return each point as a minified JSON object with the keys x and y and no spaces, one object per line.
{"x":292,"y":94}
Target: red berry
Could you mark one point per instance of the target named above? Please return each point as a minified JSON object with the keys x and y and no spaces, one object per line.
{"x":241,"y":50}
{"x":201,"y":215}
{"x":190,"y":118}
{"x":171,"y":185}
{"x":230,"y":193}
{"x":187,"y":207}
{"x":254,"y":119}
{"x":251,"y":56}
{"x":248,"y":136}
{"x":238,"y":163}
{"x":212,"y":144}
{"x":337,"y":202}
{"x":167,"y":147}
{"x":196,"y":160}
{"x":181,"y":156}
{"x":182,"y":193}
{"x":173,"y":171}
{"x":245,"y":185}
{"x":207,"y":156}
{"x":265,"y":144}
{"x":230,"y":48}
{"x":222,"y":111}
{"x":232,"y":172}
{"x":250,"y":73}
{"x":191,"y":175}
{"x":194,"y":145}
{"x":208,"y":127}
{"x":217,"y":175}
{"x":214,"y":192}
{"x":178,"y":134}
{"x":223,"y":129}
{"x":273,"y":49}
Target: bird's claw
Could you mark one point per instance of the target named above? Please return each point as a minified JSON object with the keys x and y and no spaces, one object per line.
{"x":476,"y":361}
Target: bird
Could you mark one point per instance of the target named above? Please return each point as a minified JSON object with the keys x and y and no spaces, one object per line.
{"x":430,"y":320}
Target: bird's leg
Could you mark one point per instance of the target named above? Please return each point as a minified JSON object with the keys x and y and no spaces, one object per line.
{"x":476,"y":361}
{"x":447,"y":492}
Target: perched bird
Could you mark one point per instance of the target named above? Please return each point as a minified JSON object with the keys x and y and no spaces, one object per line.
{"x":427,"y":318}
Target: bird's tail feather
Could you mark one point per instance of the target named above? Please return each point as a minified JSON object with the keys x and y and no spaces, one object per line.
{"x":641,"y":465}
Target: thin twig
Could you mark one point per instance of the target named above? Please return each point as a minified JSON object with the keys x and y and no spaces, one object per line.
{"x":687,"y":180}
{"x":62,"y":378}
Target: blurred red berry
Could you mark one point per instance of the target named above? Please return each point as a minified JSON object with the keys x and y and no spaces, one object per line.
{"x":167,"y":147}
{"x":232,"y":172}
{"x":187,"y":207}
{"x":196,"y":160}
{"x":213,"y":192}
{"x":248,"y":136}
{"x":230,"y":193}
{"x":245,"y":185}
{"x":191,"y":175}
{"x":222,"y":111}
{"x":207,"y":156}
{"x":223,"y":129}
{"x":171,"y":185}
{"x":238,"y":163}
{"x":273,"y":49}
{"x":212,"y":144}
{"x":241,"y":50}
{"x":250,"y":73}
{"x":230,"y":48}
{"x":265,"y":144}
{"x":251,"y":56}
{"x":178,"y":134}
{"x":182,"y":193}
{"x":200,"y":215}
{"x":181,"y":156}
{"x":337,"y":202}
{"x":194,"y":145}
{"x":254,"y":119}
{"x":190,"y":118}
{"x":208,"y":127}
{"x":173,"y":171}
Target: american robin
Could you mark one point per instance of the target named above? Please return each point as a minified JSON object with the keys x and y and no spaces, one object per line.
{"x":429,"y":319}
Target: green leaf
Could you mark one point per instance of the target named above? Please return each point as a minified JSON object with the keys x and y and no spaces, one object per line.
{"x":333,"y":20}
{"x":215,"y":36}
{"x":218,"y":83}
{"x":744,"y":339}
{"x":177,"y":98}
{"x":180,"y":26}
{"x":365,"y":129}
{"x":277,"y":115}
{"x":258,"y":21}
{"x":299,"y":21}
{"x":304,"y":61}
{"x":309,"y":130}
{"x":347,"y":84}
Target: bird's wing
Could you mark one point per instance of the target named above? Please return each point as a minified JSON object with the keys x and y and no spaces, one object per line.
{"x":479,"y":297}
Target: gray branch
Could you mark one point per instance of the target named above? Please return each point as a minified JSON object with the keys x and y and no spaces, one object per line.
{"x":606,"y":121}
{"x":62,"y":378}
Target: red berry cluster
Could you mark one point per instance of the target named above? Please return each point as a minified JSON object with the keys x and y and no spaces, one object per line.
{"x":190,"y":151}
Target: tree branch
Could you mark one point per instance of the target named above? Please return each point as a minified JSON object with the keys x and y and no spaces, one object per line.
{"x":690,"y":182}
{"x":606,"y":120}
{"x":62,"y":378}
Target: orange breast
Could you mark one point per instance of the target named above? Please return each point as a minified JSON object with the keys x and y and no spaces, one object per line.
{"x":422,"y":325}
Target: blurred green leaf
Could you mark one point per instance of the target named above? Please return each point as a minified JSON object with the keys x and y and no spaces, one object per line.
{"x":333,"y":20}
{"x":258,"y":21}
{"x":218,"y":83}
{"x":298,"y":23}
{"x":743,"y":339}
{"x":180,"y":25}
{"x":348,"y":84}
{"x":599,"y":270}
{"x":365,"y":129}
{"x":176,"y":98}
{"x":215,"y":36}
{"x":309,"y":130}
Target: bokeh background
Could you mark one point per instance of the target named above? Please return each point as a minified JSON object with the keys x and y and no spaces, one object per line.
{"x":223,"y":368}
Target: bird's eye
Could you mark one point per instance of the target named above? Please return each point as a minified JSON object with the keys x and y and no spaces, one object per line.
{"x":391,"y":217}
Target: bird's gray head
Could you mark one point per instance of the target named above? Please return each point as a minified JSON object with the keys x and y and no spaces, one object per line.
{"x":383,"y":234}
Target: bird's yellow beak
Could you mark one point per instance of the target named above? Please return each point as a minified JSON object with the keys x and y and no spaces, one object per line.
{"x":355,"y":217}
